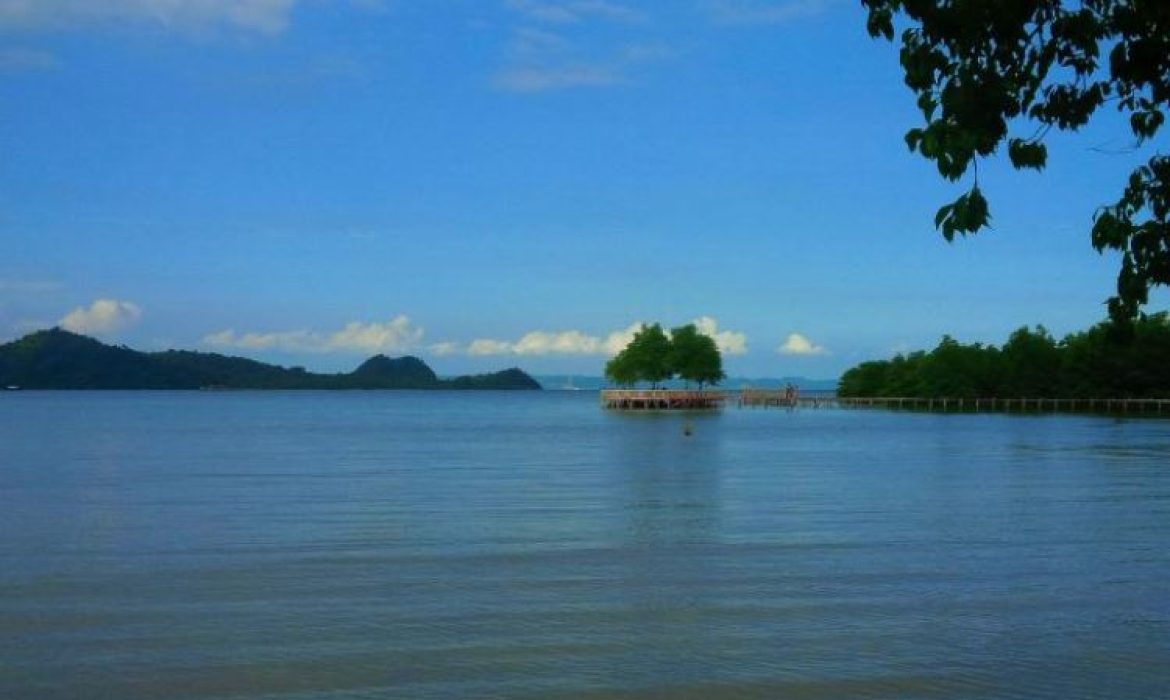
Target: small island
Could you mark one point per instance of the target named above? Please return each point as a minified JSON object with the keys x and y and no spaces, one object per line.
{"x":58,"y":359}
{"x":653,"y":357}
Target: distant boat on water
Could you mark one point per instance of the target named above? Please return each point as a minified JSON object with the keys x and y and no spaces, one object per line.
{"x":569,"y":385}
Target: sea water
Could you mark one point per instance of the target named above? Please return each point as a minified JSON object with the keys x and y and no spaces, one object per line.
{"x":313,"y":545}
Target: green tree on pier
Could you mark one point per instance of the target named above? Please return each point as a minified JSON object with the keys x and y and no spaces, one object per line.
{"x":654,"y":357}
{"x":621,"y":370}
{"x":694,"y":357}
{"x":644,"y":359}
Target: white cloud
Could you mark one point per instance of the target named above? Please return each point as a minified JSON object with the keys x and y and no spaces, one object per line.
{"x":617,"y":341}
{"x":485,"y":346}
{"x":15,"y":59}
{"x":396,"y":335}
{"x":570,"y":342}
{"x":728,"y":342}
{"x":400,"y":335}
{"x":264,"y":16}
{"x":574,"y":11}
{"x":563,"y":343}
{"x":444,"y":349}
{"x":797,"y":344}
{"x":765,"y":11}
{"x":556,"y":54}
{"x":103,"y":316}
{"x":288,"y":340}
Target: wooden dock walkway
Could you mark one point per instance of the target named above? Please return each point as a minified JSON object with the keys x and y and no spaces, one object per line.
{"x":662,"y":399}
{"x":1148,"y":407}
{"x":765,"y":398}
{"x":684,"y":399}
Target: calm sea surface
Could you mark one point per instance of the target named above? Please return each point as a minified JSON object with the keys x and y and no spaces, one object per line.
{"x":296,"y":546}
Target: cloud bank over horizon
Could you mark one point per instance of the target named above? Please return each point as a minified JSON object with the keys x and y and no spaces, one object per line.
{"x":401,"y":335}
{"x":397,"y":335}
{"x":571,"y":342}
{"x":575,"y":342}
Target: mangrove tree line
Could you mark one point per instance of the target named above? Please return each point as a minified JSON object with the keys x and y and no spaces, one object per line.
{"x":1092,"y":363}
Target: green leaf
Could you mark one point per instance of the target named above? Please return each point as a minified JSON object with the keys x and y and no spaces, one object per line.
{"x":1024,"y":154}
{"x":977,"y":211}
{"x":927,"y":104}
{"x":881,"y":23}
{"x":943,"y":214}
{"x":1109,"y":231}
{"x":913,"y":139}
{"x":1146,"y":124}
{"x":965,"y":215}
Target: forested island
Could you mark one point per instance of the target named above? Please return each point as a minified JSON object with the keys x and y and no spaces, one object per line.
{"x":1099,"y":362}
{"x":58,"y":359}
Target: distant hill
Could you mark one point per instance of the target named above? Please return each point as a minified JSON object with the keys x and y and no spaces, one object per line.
{"x":58,"y":359}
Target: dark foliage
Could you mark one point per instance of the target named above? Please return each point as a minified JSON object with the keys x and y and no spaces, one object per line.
{"x":1093,"y":363}
{"x":393,"y":373}
{"x":58,"y":359}
{"x":646,"y":358}
{"x":654,"y":357}
{"x":694,"y":357}
{"x":512,"y":378}
{"x":981,"y":68}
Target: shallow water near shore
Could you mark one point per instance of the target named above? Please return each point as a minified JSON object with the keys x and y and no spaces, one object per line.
{"x":312,"y":545}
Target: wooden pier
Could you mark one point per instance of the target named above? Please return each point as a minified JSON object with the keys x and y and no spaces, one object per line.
{"x":662,"y":399}
{"x":683,"y":399}
{"x":764,"y":398}
{"x":1139,"y":407}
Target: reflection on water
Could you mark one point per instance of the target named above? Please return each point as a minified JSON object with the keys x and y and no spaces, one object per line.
{"x":669,"y":480}
{"x":368,"y":545}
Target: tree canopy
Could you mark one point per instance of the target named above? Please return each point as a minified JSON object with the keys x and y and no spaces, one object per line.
{"x":694,"y":357}
{"x":979,"y":67}
{"x":1031,"y":364}
{"x":653,"y":357}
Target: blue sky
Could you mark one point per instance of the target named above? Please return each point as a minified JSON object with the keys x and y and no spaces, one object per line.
{"x":509,"y":182}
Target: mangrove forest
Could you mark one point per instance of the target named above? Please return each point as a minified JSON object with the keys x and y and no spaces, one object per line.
{"x":1093,"y":363}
